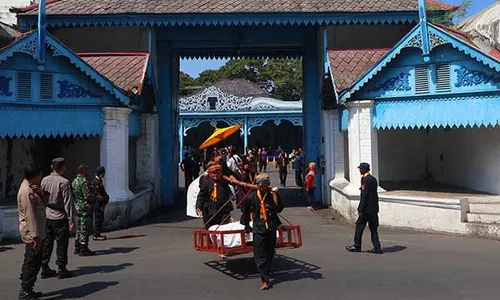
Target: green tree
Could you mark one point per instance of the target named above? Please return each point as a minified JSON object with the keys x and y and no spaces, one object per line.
{"x":281,"y":77}
{"x":447,"y":17}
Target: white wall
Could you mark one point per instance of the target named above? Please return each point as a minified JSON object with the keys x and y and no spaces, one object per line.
{"x":5,"y":5}
{"x":402,"y":154}
{"x":470,"y":156}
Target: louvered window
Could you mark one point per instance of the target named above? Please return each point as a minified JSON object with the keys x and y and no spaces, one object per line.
{"x":24,"y":85}
{"x":46,"y":89}
{"x":421,"y":79}
{"x":443,"y":78}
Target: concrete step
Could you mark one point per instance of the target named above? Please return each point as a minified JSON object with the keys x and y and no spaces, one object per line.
{"x":483,"y":218}
{"x":490,"y":231}
{"x":492,"y":207}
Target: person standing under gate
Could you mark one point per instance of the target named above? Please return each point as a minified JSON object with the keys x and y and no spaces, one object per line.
{"x":262,"y":206}
{"x":100,"y":200}
{"x":81,"y":190}
{"x":298,"y":165}
{"x":368,"y":211}
{"x":60,"y":219}
{"x":31,"y":206}
{"x":311,"y":187}
{"x":282,"y":164}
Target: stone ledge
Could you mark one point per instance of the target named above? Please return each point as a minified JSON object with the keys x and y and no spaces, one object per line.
{"x":116,"y":216}
{"x":418,"y":213}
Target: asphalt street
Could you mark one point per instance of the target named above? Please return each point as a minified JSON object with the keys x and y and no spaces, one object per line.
{"x":156,"y":260}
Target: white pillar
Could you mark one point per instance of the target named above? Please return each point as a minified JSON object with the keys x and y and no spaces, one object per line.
{"x":114,"y":152}
{"x":363,"y":143}
{"x":339,"y":151}
{"x":181,"y":139}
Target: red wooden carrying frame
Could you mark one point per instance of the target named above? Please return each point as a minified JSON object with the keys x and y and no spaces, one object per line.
{"x":289,"y":236}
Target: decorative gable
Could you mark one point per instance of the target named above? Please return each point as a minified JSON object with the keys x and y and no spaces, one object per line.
{"x":454,"y":65}
{"x":63,"y":78}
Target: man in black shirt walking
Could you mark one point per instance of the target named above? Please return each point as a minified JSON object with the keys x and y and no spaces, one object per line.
{"x":368,"y":211}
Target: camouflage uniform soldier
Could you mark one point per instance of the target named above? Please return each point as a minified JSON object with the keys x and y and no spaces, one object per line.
{"x":81,"y":190}
{"x":100,"y":199}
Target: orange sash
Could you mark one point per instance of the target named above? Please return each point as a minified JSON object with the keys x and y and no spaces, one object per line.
{"x":213,"y":196}
{"x":263,"y":211}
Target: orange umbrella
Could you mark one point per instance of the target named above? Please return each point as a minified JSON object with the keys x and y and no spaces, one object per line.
{"x":220,"y":135}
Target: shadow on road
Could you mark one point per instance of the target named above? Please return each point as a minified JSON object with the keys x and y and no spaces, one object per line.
{"x":284,"y":269}
{"x":79,"y":291}
{"x":3,"y":249}
{"x":116,"y":250}
{"x":126,"y":237}
{"x":81,"y":271}
{"x":395,"y":248}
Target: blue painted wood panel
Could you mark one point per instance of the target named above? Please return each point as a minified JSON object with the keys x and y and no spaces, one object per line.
{"x":437,"y":112}
{"x":134,"y":124}
{"x":50,"y":122}
{"x":69,"y":85}
{"x":398,"y":79}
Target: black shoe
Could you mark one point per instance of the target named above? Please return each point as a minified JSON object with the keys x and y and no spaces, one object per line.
{"x":27,"y":295}
{"x":47,"y":273}
{"x":375,"y":251}
{"x":85,"y":251}
{"x":353,"y":249}
{"x":64,"y":273}
{"x":99,"y":237}
{"x":37,"y":294}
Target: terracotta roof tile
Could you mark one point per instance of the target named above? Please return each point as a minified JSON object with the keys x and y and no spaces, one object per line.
{"x":349,"y":65}
{"x":78,"y":7}
{"x":125,"y":70}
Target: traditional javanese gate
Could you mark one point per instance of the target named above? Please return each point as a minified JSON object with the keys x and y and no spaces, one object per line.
{"x":224,"y":29}
{"x":172,"y":44}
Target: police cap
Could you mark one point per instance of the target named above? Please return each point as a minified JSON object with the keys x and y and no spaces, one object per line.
{"x":364,"y":166}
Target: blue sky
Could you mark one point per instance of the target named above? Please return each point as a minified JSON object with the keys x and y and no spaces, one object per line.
{"x":195,"y":67}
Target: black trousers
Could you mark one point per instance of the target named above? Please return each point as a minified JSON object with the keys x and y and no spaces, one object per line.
{"x":31,"y":266}
{"x":98,"y":220}
{"x":298,"y":178}
{"x":264,"y":245}
{"x":188,"y":178}
{"x":283,"y":174}
{"x":56,"y":230}
{"x":372,"y":220}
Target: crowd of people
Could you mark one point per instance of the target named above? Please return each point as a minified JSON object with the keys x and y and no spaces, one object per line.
{"x":49,"y":209}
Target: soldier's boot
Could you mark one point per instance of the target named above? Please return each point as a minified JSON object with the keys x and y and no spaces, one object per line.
{"x":77,"y":247}
{"x":26,"y":294}
{"x":47,"y":272}
{"x":64,"y":273}
{"x":99,"y":237}
{"x":85,"y":251}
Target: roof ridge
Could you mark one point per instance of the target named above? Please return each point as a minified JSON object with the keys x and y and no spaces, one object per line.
{"x":111,"y":53}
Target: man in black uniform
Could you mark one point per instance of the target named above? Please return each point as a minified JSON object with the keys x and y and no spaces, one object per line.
{"x":213,"y":196}
{"x":100,"y":200}
{"x":368,"y":211}
{"x":263,"y":206}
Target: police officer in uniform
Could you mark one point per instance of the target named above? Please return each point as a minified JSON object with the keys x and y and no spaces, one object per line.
{"x":368,"y":211}
{"x":60,"y":219}
{"x":31,"y":206}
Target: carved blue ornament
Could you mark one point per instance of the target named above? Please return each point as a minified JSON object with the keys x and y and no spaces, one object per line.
{"x":5,"y":86}
{"x":468,"y":77}
{"x":399,"y":83}
{"x":73,"y":90}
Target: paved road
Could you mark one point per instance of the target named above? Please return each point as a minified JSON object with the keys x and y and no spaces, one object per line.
{"x":157,"y":261}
